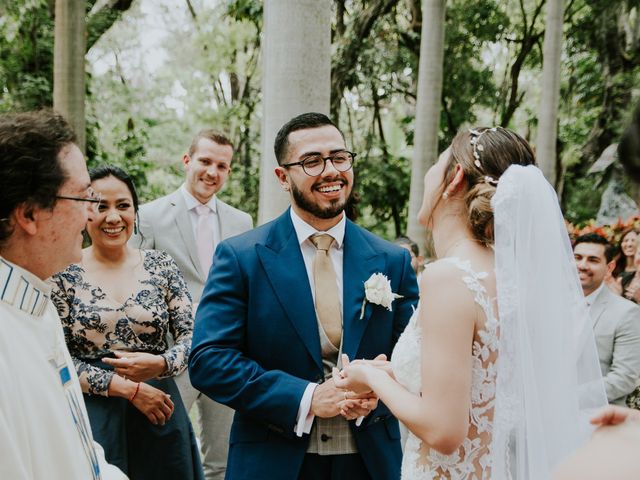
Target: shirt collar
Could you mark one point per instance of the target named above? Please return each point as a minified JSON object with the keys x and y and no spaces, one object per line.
{"x":192,"y":202}
{"x":593,"y":295}
{"x":304,"y":230}
{"x":22,"y":289}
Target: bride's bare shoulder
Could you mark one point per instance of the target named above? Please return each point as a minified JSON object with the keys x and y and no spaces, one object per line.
{"x":441,"y":275}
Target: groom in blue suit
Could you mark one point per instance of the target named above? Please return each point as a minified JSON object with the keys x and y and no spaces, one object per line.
{"x":281,"y":304}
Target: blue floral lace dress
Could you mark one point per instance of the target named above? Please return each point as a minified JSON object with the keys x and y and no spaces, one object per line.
{"x":95,"y":325}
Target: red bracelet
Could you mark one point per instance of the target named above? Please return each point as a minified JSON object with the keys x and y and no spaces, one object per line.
{"x":135,"y":393}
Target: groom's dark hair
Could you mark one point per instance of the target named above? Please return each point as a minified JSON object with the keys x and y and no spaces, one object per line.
{"x":609,"y":250}
{"x":301,"y":122}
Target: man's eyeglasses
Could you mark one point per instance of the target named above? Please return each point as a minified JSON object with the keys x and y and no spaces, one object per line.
{"x":92,"y":197}
{"x":314,"y":165}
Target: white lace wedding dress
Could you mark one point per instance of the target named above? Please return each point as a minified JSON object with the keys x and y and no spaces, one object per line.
{"x":472,"y":460}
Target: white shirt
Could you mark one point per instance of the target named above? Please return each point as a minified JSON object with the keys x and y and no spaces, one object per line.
{"x":44,"y":428}
{"x":192,"y":202}
{"x":304,"y":420}
{"x":593,"y":295}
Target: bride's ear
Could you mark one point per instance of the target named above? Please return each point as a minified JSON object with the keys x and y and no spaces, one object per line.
{"x":458,"y":180}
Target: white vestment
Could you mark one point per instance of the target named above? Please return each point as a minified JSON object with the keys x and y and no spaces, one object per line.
{"x":44,"y":428}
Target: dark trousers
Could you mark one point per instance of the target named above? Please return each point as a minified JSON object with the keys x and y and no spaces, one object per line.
{"x":333,"y":467}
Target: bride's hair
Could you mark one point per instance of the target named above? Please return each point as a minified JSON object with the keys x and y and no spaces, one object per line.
{"x":484,"y":155}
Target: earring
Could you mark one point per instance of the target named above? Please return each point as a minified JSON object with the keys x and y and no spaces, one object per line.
{"x":445,"y":195}
{"x":135,"y":227}
{"x":286,"y":188}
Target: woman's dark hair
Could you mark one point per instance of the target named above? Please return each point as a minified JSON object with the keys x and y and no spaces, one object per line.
{"x":107,"y":170}
{"x":621,"y":262}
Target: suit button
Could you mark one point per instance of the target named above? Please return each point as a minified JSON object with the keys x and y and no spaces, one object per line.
{"x":324,"y":437}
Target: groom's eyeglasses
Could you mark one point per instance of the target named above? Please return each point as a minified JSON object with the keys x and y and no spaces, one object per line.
{"x":314,"y":165}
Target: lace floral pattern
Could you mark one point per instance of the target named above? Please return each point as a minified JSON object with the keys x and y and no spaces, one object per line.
{"x":472,"y":460}
{"x":95,"y":325}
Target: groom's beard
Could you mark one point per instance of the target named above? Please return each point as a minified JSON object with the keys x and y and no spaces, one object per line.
{"x":335,"y":209}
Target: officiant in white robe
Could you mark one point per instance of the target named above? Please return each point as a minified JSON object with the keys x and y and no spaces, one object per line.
{"x":45,"y":203}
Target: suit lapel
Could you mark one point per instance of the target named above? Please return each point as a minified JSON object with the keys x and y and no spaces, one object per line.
{"x":227,"y":220}
{"x":360,"y":261}
{"x":284,"y":266}
{"x":599,"y":306}
{"x":224,"y":220}
{"x":183,"y":224}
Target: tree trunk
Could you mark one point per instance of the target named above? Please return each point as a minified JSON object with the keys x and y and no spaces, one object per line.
{"x":297,"y":79}
{"x":425,"y":151}
{"x":546,"y":143}
{"x":68,"y":64}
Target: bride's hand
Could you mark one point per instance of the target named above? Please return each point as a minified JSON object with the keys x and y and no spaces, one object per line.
{"x":355,"y":406}
{"x":380,"y":362}
{"x":354,"y":376}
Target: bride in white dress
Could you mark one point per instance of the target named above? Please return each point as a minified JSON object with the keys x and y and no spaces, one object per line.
{"x":498,"y":365}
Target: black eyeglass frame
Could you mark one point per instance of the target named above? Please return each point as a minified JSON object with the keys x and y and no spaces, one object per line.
{"x":95,"y":198}
{"x":324,"y":164}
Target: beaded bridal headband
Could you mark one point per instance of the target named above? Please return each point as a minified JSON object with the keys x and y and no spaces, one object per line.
{"x":478,"y":148}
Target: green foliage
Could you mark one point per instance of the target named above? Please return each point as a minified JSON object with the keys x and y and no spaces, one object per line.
{"x":26,"y":56}
{"x":242,"y":189}
{"x":144,"y":118}
{"x":382,"y":181}
{"x":468,"y":83}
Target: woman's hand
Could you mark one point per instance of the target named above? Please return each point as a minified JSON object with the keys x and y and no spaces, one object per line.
{"x":153,"y":403}
{"x":137,"y":366}
{"x":356,"y":376}
{"x":357,"y":405}
{"x":614,"y":414}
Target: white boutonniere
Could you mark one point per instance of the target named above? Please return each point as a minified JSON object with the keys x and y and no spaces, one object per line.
{"x":377,"y":290}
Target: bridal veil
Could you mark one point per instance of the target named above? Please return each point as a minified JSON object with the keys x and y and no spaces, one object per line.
{"x":548,"y":375}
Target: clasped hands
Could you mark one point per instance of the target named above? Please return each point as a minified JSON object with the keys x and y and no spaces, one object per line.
{"x":348,"y":393}
{"x":135,"y":368}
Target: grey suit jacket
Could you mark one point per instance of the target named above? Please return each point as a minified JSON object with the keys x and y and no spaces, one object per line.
{"x":165,"y":225}
{"x":616,"y":325}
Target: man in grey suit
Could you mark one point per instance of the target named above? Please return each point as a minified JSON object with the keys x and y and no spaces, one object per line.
{"x":188,"y":224}
{"x":616,"y":320}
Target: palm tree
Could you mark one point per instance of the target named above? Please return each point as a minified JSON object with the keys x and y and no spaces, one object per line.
{"x":548,"y":113}
{"x":429,"y":95}
{"x":68,"y":64}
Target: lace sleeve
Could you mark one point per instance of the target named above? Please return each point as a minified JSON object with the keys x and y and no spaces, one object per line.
{"x":93,"y":380}
{"x":180,"y":309}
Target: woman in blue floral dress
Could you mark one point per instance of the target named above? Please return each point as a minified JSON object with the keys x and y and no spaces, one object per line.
{"x":117,"y":307}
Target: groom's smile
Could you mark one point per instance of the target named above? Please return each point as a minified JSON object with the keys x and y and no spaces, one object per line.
{"x":324,"y":196}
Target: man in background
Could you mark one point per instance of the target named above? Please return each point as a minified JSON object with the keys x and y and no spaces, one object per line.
{"x":616,"y":320}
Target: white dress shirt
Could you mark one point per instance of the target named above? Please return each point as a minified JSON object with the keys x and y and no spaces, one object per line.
{"x":304,"y":420}
{"x":593,"y":295}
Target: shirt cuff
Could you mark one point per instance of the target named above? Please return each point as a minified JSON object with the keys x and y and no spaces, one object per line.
{"x":304,"y":420}
{"x":359,"y":421}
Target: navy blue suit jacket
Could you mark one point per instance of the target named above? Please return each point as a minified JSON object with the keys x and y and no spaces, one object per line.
{"x":256,"y":345}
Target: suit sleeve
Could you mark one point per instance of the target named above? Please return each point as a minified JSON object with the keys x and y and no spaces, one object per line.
{"x":218,"y":366}
{"x":405,"y":306}
{"x":624,"y":373}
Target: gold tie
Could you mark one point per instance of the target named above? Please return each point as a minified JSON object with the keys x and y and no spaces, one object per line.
{"x":327,"y":297}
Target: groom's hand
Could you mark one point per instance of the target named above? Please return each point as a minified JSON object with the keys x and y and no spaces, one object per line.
{"x":358,"y":405}
{"x":325,"y":400}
